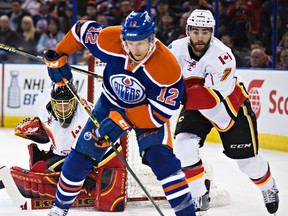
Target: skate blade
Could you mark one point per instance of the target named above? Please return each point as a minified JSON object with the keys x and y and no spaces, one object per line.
{"x":202,"y":213}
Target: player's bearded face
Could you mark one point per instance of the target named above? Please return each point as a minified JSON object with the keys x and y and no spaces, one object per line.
{"x":200,"y":39}
{"x":138,"y":49}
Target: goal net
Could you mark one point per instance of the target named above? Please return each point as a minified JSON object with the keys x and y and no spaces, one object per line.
{"x":219,"y":196}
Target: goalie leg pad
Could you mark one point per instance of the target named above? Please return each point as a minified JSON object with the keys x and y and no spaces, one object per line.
{"x":110,"y":189}
{"x":35,"y":154}
{"x":35,"y":184}
{"x":110,"y":186}
{"x":41,"y":188}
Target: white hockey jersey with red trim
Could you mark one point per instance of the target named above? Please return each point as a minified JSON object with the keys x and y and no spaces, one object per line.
{"x":210,"y":82}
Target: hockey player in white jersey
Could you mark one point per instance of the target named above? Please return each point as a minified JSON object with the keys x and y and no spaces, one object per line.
{"x":215,"y":97}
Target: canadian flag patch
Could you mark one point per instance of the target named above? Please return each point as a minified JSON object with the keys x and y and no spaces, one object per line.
{"x":224,"y":58}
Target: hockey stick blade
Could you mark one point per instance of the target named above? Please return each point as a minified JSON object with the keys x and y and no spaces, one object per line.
{"x":41,"y":59}
{"x":1,"y":185}
{"x":12,"y":189}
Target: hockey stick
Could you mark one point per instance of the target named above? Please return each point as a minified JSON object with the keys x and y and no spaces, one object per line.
{"x":1,"y":184}
{"x":12,"y":189}
{"x":40,"y":58}
{"x":92,"y":117}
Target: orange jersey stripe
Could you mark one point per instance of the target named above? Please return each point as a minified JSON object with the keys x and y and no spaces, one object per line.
{"x":173,"y":187}
{"x":72,"y":189}
{"x":68,"y":44}
{"x":109,"y":40}
{"x":164,"y":74}
{"x":140,"y":117}
{"x":162,"y":118}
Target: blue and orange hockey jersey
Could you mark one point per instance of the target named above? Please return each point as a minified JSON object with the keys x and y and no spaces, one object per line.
{"x":149,"y":91}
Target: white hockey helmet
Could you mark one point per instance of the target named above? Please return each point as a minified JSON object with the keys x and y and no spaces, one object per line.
{"x":200,"y":18}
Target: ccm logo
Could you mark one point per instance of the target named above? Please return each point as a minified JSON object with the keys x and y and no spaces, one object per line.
{"x":240,"y":146}
{"x":52,"y":64}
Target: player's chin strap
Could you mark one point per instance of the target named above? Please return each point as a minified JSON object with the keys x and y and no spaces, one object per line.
{"x":40,"y":58}
{"x":92,"y":117}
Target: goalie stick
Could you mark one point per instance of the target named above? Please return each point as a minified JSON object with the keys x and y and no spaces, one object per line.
{"x":40,"y":58}
{"x":12,"y":189}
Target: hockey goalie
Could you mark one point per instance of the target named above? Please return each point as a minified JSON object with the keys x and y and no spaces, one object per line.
{"x":59,"y":120}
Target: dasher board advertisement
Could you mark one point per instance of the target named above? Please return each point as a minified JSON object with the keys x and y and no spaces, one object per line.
{"x":22,"y":83}
{"x":269,"y":98}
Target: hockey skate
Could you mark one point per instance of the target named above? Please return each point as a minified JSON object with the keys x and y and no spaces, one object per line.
{"x":202,"y":204}
{"x":271,"y":199}
{"x":56,"y":211}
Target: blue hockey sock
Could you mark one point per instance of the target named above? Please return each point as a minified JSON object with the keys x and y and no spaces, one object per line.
{"x":74,"y":171}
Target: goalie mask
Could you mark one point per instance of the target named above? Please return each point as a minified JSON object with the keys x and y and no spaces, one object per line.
{"x":63,"y":104}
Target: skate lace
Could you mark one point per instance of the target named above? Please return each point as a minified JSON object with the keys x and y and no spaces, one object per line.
{"x":55,"y":211}
{"x":270,"y":195}
{"x":197,"y":202}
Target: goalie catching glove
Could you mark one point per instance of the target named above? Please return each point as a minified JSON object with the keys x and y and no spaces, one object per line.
{"x":58,"y":68}
{"x":31,"y":128}
{"x":113,"y":126}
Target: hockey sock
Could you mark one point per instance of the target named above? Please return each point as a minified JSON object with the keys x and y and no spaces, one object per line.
{"x":167,"y":169}
{"x":196,"y":178}
{"x":74,"y":170}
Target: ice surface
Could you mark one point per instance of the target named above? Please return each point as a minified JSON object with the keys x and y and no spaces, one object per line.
{"x":246,"y":199}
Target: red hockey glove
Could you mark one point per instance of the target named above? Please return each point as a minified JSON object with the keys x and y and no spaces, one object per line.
{"x":31,"y":128}
{"x":58,"y":68}
{"x":113,"y":126}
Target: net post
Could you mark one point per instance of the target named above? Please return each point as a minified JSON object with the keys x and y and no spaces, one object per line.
{"x":90,"y":89}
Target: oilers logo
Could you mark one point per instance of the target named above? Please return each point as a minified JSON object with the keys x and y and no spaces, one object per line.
{"x":87,"y":136}
{"x":127,"y":88}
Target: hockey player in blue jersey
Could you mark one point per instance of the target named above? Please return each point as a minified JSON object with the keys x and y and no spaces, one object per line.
{"x":142,"y":89}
